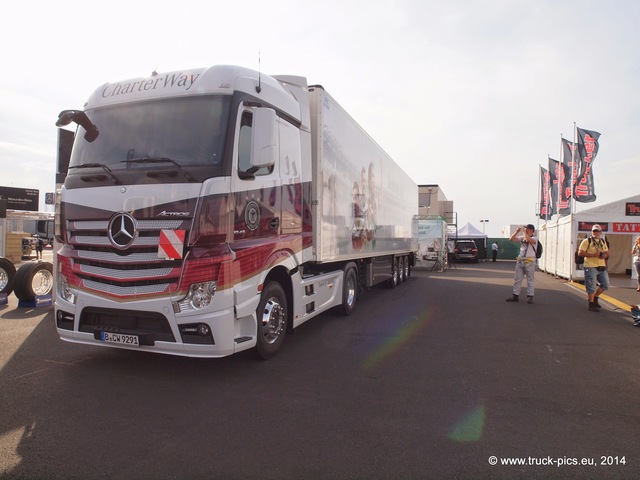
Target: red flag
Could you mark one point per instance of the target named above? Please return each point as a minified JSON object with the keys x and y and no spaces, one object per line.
{"x":584,"y":189}
{"x":545,"y":207}
{"x":558,"y":173}
{"x":571,"y":161}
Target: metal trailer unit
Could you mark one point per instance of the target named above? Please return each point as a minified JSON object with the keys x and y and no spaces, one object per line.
{"x":210,"y":211}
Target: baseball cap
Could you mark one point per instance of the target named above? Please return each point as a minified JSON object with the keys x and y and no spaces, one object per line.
{"x":531,"y":227}
{"x":596,"y":227}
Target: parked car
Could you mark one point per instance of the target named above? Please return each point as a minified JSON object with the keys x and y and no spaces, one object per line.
{"x":465,"y":250}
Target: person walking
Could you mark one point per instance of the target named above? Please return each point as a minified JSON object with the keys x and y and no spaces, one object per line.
{"x":39,"y":247}
{"x":635,"y":251}
{"x":494,"y":250}
{"x":596,"y":278}
{"x":526,"y":262}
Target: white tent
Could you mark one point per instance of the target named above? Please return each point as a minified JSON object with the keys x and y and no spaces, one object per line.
{"x":469,"y":231}
{"x":561,"y":237}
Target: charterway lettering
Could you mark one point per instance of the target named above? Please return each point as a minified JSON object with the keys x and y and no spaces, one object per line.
{"x":171,"y":80}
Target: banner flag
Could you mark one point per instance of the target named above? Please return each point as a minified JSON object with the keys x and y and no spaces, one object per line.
{"x":584,"y":189}
{"x":572,"y":164}
{"x":544,"y":194}
{"x":558,"y":173}
{"x":553,"y":188}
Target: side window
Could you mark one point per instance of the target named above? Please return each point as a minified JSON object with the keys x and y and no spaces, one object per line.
{"x":244,"y":143}
{"x":244,"y":150}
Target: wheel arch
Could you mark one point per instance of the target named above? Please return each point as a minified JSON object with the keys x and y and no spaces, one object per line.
{"x":282,"y":275}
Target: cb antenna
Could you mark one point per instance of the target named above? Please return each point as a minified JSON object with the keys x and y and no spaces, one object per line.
{"x":259,"y":87}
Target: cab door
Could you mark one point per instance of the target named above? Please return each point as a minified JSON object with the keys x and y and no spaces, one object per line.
{"x":256,"y":185}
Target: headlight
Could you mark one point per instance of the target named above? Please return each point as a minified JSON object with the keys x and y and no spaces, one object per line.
{"x":65,"y":291}
{"x":199,"y":296}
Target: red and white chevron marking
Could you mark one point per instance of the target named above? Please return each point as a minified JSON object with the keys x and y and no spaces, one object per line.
{"x":171,"y":244}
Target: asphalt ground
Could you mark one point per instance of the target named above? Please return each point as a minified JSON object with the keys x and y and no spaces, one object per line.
{"x":438,"y":378}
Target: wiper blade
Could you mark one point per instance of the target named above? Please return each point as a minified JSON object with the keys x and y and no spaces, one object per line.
{"x":187,"y":175}
{"x":99,"y":165}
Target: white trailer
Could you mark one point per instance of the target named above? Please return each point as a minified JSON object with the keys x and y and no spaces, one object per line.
{"x":210,"y":211}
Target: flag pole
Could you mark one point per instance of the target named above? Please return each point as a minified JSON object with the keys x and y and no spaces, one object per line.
{"x":539,"y":194}
{"x":561,"y":167}
{"x":572,"y":203}
{"x":573,"y":168}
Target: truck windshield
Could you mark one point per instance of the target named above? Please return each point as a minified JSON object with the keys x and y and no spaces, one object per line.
{"x":185,"y":133}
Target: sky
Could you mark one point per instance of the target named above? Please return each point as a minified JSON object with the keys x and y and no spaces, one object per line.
{"x":472,"y":95}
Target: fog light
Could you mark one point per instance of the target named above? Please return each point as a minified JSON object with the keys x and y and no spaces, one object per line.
{"x":203,"y":329}
{"x":196,"y":334}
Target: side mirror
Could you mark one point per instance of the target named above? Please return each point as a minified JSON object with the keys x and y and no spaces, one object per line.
{"x":264,"y":141}
{"x":78,"y":116}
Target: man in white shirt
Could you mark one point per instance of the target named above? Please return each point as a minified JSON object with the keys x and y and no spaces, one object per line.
{"x":526,"y":264}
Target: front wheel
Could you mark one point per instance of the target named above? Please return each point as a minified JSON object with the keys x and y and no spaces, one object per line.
{"x":272,"y":314}
{"x":349,"y":291}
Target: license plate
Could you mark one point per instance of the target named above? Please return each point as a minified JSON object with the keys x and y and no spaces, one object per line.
{"x":120,"y":338}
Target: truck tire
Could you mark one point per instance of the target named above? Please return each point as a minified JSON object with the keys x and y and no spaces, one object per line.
{"x":32,"y":280}
{"x":7,"y":276}
{"x":395,"y":274}
{"x":272,"y":315}
{"x":406,"y":273}
{"x":349,"y":291}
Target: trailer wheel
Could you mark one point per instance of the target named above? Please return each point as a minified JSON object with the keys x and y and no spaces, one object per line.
{"x":349,"y":291}
{"x":405,"y":265}
{"x":395,"y":274}
{"x":33,"y":279}
{"x":7,"y":276}
{"x":272,"y":314}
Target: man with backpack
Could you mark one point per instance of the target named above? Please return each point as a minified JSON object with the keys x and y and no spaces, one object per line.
{"x":526,"y":263}
{"x":595,"y":251}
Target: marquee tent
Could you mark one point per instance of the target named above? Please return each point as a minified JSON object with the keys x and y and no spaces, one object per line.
{"x":561,"y":237}
{"x":469,"y":231}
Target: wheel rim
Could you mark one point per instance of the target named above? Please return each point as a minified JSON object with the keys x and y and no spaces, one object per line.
{"x":4,"y":278}
{"x":406,"y":268}
{"x":351,"y":290}
{"x":42,"y":282}
{"x":273,"y":320}
{"x":395,"y":273}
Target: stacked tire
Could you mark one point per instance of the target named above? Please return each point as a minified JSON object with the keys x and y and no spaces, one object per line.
{"x":32,"y":280}
{"x":28,"y":282}
{"x":7,"y":276}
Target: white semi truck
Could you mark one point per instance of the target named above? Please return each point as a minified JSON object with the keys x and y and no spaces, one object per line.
{"x":210,"y":211}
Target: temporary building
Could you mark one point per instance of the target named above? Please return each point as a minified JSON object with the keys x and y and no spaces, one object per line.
{"x":432,"y":236}
{"x":561,"y":237}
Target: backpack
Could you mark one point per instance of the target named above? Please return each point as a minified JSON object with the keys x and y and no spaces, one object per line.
{"x":538,"y":249}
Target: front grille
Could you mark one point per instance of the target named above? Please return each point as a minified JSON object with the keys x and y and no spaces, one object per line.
{"x":136,"y":271}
